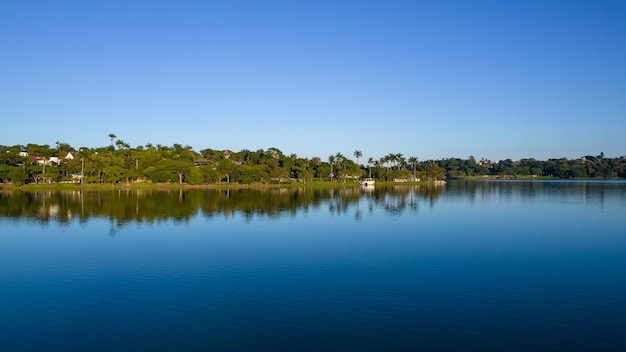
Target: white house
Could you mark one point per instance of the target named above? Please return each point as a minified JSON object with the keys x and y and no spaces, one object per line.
{"x":48,"y":161}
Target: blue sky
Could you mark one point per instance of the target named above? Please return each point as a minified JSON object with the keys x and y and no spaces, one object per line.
{"x":431,"y":79}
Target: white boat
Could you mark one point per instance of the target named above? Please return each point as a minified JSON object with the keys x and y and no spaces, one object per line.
{"x":367,"y":182}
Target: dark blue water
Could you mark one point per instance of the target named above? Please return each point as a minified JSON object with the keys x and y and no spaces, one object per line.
{"x":489,"y":266}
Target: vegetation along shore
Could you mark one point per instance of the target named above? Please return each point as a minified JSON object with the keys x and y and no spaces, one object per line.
{"x":144,"y":166}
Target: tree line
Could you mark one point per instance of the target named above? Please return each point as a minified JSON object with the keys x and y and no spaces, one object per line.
{"x":119,"y":162}
{"x":587,"y":166}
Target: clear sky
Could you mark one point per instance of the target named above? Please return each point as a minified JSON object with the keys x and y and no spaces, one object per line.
{"x":432,"y":79}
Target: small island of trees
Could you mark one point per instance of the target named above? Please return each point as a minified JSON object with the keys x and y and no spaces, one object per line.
{"x":120,"y":163}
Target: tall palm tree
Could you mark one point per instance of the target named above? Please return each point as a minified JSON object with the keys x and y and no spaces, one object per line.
{"x":339,"y":159}
{"x":398,"y":159}
{"x":391,"y":159}
{"x":413,"y":162}
{"x":357,"y":155}
{"x":112,"y":136}
{"x":401,"y":161}
{"x":331,"y":161}
{"x":370,"y":161}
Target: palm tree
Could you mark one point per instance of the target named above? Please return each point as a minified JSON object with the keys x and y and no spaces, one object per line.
{"x":339,"y":159}
{"x":112,"y":136}
{"x":398,"y":159}
{"x":370,"y":161}
{"x":413,"y":162}
{"x":357,"y":155}
{"x":331,"y":161}
{"x":390,"y":158}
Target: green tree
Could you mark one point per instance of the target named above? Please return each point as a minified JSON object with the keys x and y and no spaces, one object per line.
{"x":149,"y":172}
{"x":113,"y":173}
{"x":194,"y":176}
{"x":226,"y":168}
{"x":34,"y":171}
{"x":17,"y":175}
{"x":5,"y":171}
{"x":432,"y":172}
{"x":180,"y":167}
{"x":210,"y":173}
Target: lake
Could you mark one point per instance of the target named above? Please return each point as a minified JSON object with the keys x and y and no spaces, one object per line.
{"x":489,"y":266}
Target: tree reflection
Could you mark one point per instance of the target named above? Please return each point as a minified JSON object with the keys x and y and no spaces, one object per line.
{"x":149,"y":206}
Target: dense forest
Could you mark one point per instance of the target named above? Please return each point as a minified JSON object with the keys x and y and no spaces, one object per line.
{"x":118,"y":162}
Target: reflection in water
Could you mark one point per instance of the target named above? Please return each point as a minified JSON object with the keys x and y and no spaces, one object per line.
{"x":148,"y":206}
{"x":124,"y":206}
{"x":590,"y":192}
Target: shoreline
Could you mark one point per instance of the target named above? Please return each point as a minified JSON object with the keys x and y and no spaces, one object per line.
{"x":132,"y":186}
{"x":170,"y":186}
{"x":228,"y":186}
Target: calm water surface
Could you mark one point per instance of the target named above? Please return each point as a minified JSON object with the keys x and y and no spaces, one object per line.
{"x":467,"y":266}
